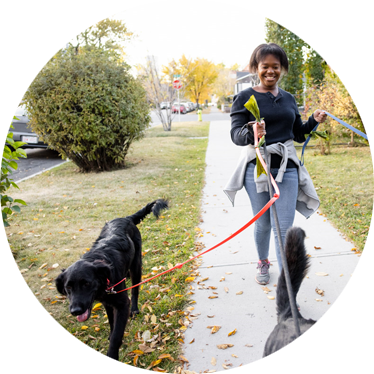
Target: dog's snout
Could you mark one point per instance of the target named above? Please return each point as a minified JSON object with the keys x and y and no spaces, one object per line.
{"x":76,"y":310}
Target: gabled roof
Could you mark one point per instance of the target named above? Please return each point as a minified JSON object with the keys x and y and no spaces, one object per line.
{"x":361,"y":18}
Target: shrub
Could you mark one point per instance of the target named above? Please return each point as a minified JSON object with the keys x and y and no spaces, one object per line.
{"x":88,"y":107}
{"x":11,"y":154}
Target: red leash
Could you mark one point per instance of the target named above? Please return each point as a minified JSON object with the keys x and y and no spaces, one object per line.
{"x":256,"y":217}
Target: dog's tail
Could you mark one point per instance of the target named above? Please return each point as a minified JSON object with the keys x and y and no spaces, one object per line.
{"x":155,"y":207}
{"x":298,"y":265}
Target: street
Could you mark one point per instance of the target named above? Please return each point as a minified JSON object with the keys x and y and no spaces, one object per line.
{"x":37,"y":161}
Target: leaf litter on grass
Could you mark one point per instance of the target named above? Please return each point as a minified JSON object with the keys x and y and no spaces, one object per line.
{"x":67,"y":233}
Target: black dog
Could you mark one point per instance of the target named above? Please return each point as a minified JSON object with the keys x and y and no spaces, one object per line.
{"x":116,"y":253}
{"x":323,"y":354}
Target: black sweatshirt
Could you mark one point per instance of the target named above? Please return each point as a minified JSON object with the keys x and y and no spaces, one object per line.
{"x":280,"y":113}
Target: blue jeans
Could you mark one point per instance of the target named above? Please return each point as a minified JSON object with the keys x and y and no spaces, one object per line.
{"x":285,"y":206}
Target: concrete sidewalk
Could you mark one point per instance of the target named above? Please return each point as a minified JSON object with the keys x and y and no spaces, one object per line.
{"x":228,"y":271}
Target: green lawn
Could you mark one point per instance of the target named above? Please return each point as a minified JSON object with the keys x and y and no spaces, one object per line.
{"x":66,"y":211}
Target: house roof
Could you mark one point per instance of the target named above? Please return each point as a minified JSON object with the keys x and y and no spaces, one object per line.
{"x":362,"y":17}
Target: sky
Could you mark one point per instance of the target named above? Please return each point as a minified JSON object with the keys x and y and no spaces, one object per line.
{"x":221,"y":31}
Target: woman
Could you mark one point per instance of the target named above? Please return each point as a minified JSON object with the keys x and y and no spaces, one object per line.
{"x":282,"y":125}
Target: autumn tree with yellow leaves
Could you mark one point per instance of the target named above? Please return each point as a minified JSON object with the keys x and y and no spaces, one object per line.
{"x":197,"y":76}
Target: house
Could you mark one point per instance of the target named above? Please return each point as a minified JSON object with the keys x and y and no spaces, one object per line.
{"x":7,"y":78}
{"x":359,"y":33}
{"x":245,"y":79}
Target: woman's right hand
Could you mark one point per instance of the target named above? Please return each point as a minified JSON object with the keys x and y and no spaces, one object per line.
{"x":260,"y":126}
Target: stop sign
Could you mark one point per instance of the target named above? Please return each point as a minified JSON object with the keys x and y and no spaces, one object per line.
{"x":177,"y":84}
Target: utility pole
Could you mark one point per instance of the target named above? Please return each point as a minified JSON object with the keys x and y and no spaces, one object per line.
{"x":62,"y":38}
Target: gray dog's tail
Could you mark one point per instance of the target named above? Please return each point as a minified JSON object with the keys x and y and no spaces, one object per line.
{"x":155,"y":207}
{"x":298,"y":265}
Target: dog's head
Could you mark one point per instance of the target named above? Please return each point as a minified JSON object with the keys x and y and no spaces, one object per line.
{"x":82,"y":282}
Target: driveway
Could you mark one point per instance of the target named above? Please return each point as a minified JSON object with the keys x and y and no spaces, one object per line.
{"x":37,"y":161}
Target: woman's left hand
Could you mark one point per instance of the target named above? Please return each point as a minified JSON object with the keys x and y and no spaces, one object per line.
{"x":320,"y":115}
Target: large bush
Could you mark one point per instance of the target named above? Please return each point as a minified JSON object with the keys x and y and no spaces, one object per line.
{"x":86,"y":105}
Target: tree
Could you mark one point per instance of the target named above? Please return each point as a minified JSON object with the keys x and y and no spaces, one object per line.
{"x":293,"y":46}
{"x":89,"y":23}
{"x":224,"y":85}
{"x":158,"y":90}
{"x":197,"y":77}
{"x":88,"y":107}
{"x":348,"y":93}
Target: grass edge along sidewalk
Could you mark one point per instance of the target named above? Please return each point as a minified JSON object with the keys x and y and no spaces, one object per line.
{"x":66,"y":211}
{"x":169,"y":313}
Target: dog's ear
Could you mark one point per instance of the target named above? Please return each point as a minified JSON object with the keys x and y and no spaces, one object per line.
{"x":60,"y":280}
{"x":102,"y":271}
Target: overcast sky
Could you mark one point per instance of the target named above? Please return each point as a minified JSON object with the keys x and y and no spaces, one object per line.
{"x":220,"y":31}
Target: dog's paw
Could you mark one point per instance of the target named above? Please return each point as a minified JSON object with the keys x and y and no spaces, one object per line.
{"x":134,"y":313}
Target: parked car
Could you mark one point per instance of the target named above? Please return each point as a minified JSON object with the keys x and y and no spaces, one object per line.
{"x":175,"y":108}
{"x":23,"y":133}
{"x":165,"y":105}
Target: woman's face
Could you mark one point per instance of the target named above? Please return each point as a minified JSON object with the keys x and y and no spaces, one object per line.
{"x":269,"y":71}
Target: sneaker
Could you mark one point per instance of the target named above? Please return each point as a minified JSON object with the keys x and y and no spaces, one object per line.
{"x":263,"y":276}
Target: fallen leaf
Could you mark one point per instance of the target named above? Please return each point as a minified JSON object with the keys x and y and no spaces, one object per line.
{"x":233,"y":355}
{"x":182,"y":358}
{"x":189,"y":279}
{"x":232,"y":332}
{"x":84,"y":327}
{"x":226,"y":289}
{"x":266,"y":290}
{"x":153,"y":319}
{"x":239,"y":293}
{"x":320,"y":292}
{"x":165,"y":355}
{"x":96,"y":306}
{"x":210,"y":316}
{"x":317,"y":247}
{"x":160,"y":370}
{"x":319,"y":300}
{"x":321,"y":274}
{"x":215,"y":329}
{"x":138,"y":352}
{"x":213,"y":361}
{"x":145,"y":348}
{"x":212,"y":297}
{"x":228,"y":272}
{"x":271,"y":297}
{"x":224,"y":346}
{"x":192,"y":341}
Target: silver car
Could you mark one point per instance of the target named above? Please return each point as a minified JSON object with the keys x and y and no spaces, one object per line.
{"x":23,"y":133}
